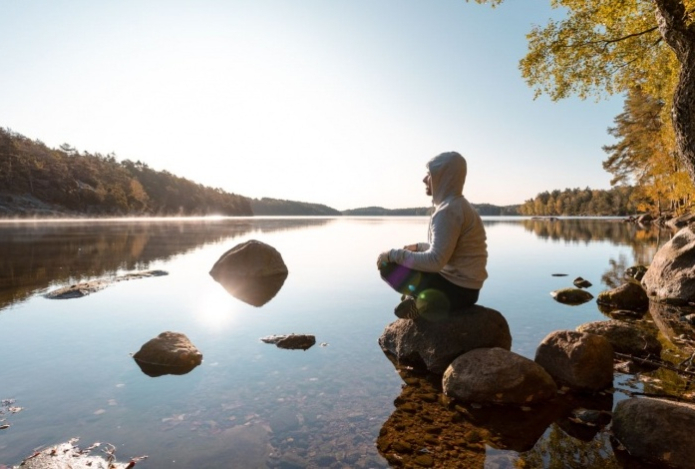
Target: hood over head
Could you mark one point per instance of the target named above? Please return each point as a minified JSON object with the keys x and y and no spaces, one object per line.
{"x":448,"y":172}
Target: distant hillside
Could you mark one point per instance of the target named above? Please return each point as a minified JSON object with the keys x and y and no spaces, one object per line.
{"x":278,"y":207}
{"x":381,"y":212}
{"x":38,"y":180}
{"x":482,"y":209}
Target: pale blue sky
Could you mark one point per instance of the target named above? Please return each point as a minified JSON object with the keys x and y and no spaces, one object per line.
{"x":338,"y":102}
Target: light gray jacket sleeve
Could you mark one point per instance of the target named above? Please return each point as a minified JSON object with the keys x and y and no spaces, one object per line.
{"x":445,"y":228}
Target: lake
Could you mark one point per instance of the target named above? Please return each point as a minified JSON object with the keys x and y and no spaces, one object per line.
{"x":68,"y":363}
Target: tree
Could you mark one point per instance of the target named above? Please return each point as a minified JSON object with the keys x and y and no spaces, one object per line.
{"x":645,"y":155}
{"x":601,"y":48}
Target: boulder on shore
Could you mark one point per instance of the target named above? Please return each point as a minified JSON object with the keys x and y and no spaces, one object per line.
{"x":496,"y":375}
{"x":625,"y":338}
{"x":252,"y":272}
{"x":432,"y":345}
{"x":671,"y":276}
{"x":168,"y":353}
{"x":577,"y":359}
{"x":630,"y":296}
{"x":656,"y":431}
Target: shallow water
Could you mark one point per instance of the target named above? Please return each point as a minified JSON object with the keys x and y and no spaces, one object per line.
{"x":67,"y":363}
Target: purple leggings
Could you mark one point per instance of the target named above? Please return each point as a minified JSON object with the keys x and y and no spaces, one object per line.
{"x":413,"y":282}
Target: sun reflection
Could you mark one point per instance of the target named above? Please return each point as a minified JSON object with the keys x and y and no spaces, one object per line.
{"x":216,"y":312}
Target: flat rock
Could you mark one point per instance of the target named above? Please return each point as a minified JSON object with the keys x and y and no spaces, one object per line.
{"x":67,"y":455}
{"x":81,"y":289}
{"x":291,"y":341}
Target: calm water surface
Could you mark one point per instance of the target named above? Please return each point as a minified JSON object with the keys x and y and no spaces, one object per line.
{"x":67,"y":363}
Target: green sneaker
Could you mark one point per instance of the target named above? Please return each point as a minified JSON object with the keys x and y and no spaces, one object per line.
{"x":407,"y":309}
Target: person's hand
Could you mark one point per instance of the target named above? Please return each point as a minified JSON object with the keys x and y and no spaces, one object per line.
{"x":382,"y":260}
{"x":410,"y":247}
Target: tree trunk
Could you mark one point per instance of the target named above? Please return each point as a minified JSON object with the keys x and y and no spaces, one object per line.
{"x":680,"y":36}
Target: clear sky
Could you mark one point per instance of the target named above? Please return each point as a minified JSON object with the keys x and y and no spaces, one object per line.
{"x":340,"y":102}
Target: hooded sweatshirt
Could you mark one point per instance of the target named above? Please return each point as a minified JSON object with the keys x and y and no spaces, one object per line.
{"x":456,"y":246}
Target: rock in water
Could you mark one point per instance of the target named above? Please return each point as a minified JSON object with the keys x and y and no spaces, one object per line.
{"x":625,"y":338}
{"x":577,"y":359}
{"x":291,"y":341}
{"x":671,"y":275}
{"x":170,"y":353}
{"x":433,"y":345}
{"x":252,"y":271}
{"x":580,"y":282}
{"x":495,"y":375}
{"x":571,"y":296}
{"x":629,"y":296}
{"x":657,"y":431}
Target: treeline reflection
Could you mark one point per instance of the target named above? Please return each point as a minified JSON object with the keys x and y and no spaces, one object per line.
{"x":644,"y":241}
{"x":36,"y":256}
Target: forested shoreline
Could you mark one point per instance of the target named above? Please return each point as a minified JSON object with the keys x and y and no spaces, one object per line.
{"x":65,"y":180}
{"x":36,"y":180}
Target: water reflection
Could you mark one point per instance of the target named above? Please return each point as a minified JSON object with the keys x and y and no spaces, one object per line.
{"x":253,"y":291}
{"x":427,"y":428}
{"x":36,"y":256}
{"x":644,"y":241}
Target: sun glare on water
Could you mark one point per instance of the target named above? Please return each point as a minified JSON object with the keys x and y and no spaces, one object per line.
{"x":216,"y":312}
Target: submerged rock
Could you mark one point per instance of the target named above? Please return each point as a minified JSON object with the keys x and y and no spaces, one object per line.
{"x":85,"y":288}
{"x":571,"y":296}
{"x":252,"y":272}
{"x":577,"y":359}
{"x":656,"y":431}
{"x":291,"y":341}
{"x":495,"y":375}
{"x":169,"y":353}
{"x":67,"y":455}
{"x":630,"y":296}
{"x":432,"y":345}
{"x":671,"y":275}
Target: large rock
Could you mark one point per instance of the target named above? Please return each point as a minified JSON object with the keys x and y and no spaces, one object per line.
{"x":496,"y":375}
{"x":576,"y":359}
{"x":168,"y":353}
{"x":251,"y":271}
{"x":657,"y":431}
{"x":671,"y":275}
{"x":629,"y":295}
{"x":433,"y":345}
{"x":625,"y":338}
